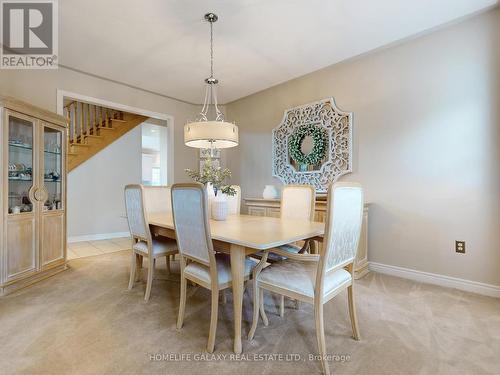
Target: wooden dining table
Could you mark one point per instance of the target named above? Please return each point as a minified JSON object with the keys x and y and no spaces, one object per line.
{"x":241,"y":235}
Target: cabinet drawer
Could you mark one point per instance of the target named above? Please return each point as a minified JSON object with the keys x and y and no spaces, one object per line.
{"x":273,"y":212}
{"x":257,"y":211}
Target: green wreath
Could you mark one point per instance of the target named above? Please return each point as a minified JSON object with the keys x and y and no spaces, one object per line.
{"x":319,"y":144}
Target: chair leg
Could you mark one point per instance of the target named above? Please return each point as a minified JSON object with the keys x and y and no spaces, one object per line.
{"x":182,"y":303}
{"x":352,"y":313}
{"x":262,"y":310}
{"x":213,"y":320}
{"x":320,"y":335}
{"x":149,"y":283}
{"x":168,"y":264}
{"x":282,"y":306}
{"x":224,"y":296}
{"x":133,"y":266}
{"x":138,"y":267}
{"x":256,"y":307}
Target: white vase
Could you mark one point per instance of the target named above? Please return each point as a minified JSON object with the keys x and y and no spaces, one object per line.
{"x":220,"y":207}
{"x":270,"y":192}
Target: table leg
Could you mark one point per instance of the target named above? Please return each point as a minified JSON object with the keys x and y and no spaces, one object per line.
{"x":237,"y":271}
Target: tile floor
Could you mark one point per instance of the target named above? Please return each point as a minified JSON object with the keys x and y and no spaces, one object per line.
{"x":91,"y":248}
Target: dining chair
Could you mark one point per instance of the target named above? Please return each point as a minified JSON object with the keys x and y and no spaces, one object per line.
{"x":199,"y":262}
{"x":317,"y":278}
{"x":234,"y":208}
{"x":297,"y":202}
{"x":143,"y":244}
{"x":157,"y":199}
{"x":234,"y":202}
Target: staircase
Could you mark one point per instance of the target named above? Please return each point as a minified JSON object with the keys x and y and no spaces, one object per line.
{"x":93,"y":127}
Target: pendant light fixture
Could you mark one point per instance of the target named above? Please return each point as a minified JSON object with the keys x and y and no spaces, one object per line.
{"x":216,"y":132}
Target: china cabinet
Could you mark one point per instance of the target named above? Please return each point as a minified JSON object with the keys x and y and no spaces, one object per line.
{"x":271,"y":207}
{"x":33,"y":194}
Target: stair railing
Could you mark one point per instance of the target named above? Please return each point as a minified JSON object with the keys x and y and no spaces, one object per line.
{"x":86,"y":119}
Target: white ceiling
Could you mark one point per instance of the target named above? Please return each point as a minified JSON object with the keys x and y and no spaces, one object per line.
{"x":163,"y":45}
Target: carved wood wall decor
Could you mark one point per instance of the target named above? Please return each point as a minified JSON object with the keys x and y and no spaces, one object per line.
{"x":337,"y":127}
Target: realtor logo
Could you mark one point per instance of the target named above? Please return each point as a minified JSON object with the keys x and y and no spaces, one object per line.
{"x":29,"y":34}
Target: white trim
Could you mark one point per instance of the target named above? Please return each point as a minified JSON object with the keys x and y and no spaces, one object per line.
{"x":61,"y":94}
{"x":436,"y":279}
{"x":97,"y":237}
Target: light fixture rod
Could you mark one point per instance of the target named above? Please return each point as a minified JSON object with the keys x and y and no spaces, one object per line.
{"x":211,"y":50}
{"x":211,"y":88}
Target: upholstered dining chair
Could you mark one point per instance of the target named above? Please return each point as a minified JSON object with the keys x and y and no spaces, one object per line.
{"x":143,"y":244}
{"x":317,"y":278}
{"x":199,"y":262}
{"x":297,"y":202}
{"x":158,"y":200}
{"x":234,"y":208}
{"x":234,"y":202}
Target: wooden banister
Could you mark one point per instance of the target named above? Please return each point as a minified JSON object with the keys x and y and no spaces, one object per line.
{"x":81,"y":121}
{"x":94,"y":123}
{"x":75,"y":123}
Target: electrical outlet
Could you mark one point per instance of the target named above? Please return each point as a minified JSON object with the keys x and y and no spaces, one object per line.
{"x":460,"y":247}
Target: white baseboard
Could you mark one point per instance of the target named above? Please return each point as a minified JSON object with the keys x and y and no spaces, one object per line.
{"x":97,"y":237}
{"x":432,"y":278}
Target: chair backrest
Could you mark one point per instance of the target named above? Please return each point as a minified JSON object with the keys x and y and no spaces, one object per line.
{"x":136,"y":213}
{"x":343,"y":225}
{"x":192,"y":228}
{"x":234,"y":202}
{"x":297,"y":202}
{"x":157,"y":199}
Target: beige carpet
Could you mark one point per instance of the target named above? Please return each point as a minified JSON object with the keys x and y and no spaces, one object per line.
{"x":84,"y":321}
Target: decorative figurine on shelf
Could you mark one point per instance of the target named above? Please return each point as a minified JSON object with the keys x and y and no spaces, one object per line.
{"x":52,"y":176}
{"x":215,"y":177}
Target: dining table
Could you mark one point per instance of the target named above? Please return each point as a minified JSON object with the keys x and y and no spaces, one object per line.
{"x":241,"y":235}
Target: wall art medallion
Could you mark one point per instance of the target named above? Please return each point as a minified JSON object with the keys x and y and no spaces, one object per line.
{"x":313,"y":145}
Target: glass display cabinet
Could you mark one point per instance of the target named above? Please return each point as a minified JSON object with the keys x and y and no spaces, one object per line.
{"x":33,"y":159}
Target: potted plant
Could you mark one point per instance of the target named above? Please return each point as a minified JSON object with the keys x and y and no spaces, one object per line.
{"x":215,"y":178}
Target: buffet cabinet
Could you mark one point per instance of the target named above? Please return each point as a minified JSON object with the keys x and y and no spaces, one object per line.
{"x":33,"y":194}
{"x":271,"y":207}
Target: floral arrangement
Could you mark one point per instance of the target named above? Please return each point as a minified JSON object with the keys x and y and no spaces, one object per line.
{"x":214,"y":175}
{"x":319,"y":144}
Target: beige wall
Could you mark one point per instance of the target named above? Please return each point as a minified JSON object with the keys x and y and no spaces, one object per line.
{"x":426,"y":145}
{"x":102,"y":214}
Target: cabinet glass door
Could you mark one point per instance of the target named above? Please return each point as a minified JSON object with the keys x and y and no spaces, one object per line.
{"x":52,"y":168}
{"x":20,"y":175}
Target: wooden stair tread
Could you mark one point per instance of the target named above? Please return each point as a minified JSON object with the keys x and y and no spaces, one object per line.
{"x":80,"y":144}
{"x":118,"y":120}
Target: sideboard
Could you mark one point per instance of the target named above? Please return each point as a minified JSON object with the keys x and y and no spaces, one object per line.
{"x":271,"y":207}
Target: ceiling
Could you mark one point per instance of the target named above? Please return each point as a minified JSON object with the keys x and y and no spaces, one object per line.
{"x":163,"y":45}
